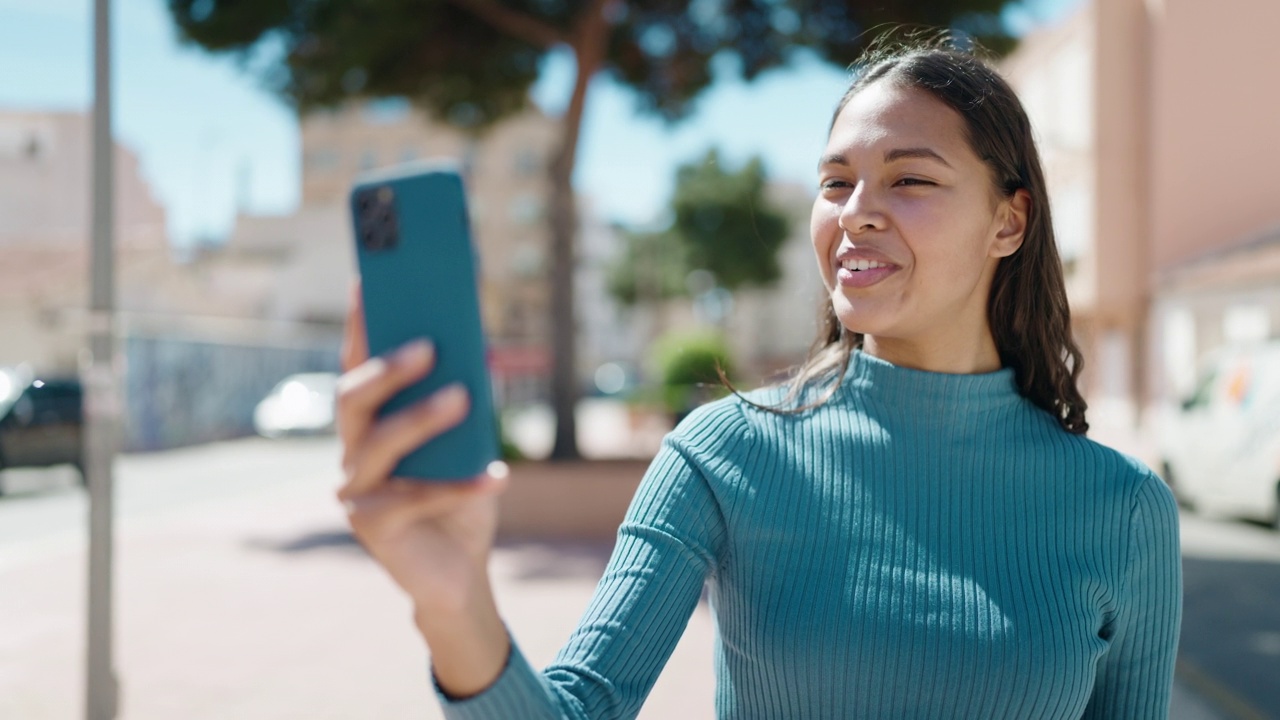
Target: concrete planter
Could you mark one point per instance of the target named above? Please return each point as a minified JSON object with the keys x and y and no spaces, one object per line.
{"x":568,"y":501}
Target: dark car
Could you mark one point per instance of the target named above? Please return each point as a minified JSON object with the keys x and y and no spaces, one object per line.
{"x":41,"y":423}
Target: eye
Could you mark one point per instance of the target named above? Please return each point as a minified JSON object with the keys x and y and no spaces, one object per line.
{"x":833,"y":184}
{"x":914,"y":182}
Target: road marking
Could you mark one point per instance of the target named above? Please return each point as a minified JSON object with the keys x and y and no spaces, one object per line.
{"x":1201,"y":682}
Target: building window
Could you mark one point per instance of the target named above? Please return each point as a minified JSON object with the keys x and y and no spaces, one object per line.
{"x":323,"y":159}
{"x":526,"y":209}
{"x":386,"y":111}
{"x":527,"y":162}
{"x":467,"y":163}
{"x":527,"y":260}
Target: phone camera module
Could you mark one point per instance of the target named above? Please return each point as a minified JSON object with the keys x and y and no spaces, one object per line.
{"x":376,"y":217}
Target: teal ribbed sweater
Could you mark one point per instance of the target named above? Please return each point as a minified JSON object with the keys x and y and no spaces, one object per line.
{"x":923,"y":546}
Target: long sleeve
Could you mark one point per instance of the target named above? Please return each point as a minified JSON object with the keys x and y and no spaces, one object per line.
{"x":916,"y":520}
{"x":1135,"y":677}
{"x":667,"y":545}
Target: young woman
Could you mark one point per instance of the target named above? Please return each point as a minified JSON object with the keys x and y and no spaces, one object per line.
{"x":913,"y":527}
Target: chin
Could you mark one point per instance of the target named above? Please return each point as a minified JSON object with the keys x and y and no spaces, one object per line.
{"x":865,"y":319}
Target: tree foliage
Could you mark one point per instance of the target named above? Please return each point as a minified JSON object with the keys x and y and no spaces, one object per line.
{"x":725,"y":223}
{"x":472,"y":62}
{"x":652,"y":268}
{"x":721,"y":223}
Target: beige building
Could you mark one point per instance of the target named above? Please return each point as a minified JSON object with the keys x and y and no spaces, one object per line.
{"x":507,"y":188}
{"x":297,"y":269}
{"x":45,"y":235}
{"x":1157,"y":123}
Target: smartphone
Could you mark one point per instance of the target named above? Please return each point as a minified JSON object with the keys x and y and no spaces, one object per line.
{"x":419,"y":279}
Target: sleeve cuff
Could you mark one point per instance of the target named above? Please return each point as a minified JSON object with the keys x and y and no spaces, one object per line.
{"x":516,"y":692}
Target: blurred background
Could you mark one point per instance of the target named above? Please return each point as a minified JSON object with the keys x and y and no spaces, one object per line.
{"x":639,"y":179}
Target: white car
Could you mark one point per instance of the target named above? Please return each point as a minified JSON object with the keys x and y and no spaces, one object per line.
{"x":301,"y":404}
{"x":1221,"y":449}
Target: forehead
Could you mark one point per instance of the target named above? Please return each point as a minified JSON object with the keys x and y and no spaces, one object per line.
{"x":884,"y":115}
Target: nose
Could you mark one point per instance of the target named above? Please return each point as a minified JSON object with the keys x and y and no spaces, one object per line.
{"x":861,"y":211}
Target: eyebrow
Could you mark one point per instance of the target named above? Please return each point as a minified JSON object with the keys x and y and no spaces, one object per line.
{"x":890,"y":156}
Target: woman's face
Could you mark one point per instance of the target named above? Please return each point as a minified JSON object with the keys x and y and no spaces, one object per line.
{"x":907,"y":226}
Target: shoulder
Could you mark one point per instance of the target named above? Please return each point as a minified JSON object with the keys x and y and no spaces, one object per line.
{"x":1042,"y":440}
{"x":1121,"y":478}
{"x":713,"y":429}
{"x":1117,"y":468}
{"x":739,"y":417}
{"x":738,"y":431}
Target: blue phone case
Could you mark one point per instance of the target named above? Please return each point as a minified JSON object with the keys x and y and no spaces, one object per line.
{"x":419,"y":280}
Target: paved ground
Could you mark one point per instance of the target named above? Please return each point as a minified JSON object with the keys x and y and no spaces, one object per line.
{"x":261,"y":607}
{"x":240,"y":595}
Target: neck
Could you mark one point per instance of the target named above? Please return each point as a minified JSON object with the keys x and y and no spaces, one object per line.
{"x":979,"y":355}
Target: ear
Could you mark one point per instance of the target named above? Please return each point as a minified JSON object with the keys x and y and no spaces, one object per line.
{"x":1012,"y":224}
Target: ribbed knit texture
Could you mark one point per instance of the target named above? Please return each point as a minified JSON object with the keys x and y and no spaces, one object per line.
{"x":923,"y":546}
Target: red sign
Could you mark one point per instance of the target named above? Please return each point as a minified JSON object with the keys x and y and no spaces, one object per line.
{"x":519,"y":360}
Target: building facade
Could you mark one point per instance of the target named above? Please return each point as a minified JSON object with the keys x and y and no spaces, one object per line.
{"x":45,"y":211}
{"x":1156,"y":122}
{"x":298,"y":268}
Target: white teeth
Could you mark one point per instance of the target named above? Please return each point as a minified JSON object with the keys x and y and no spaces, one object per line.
{"x":862,"y":264}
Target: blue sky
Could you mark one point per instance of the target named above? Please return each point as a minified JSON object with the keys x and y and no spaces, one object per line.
{"x":210,"y":139}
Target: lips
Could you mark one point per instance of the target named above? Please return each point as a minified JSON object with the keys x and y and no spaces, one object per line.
{"x":863,"y":278}
{"x":859,"y":268}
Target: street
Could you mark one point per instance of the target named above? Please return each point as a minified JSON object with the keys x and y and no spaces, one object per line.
{"x":1230,"y":645}
{"x":240,"y":595}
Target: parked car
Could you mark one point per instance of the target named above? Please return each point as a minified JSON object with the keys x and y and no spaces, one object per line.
{"x":1220,"y":449}
{"x":41,"y":422}
{"x":301,"y":404}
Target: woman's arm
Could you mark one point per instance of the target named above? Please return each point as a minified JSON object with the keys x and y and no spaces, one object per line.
{"x":1135,"y":677}
{"x":666,"y":547}
{"x":433,"y":539}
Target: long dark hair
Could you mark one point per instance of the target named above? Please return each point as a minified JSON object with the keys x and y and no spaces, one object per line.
{"x":1027,"y":308}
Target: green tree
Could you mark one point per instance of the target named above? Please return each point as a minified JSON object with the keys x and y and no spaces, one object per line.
{"x":652,"y":268}
{"x":471,"y":62}
{"x":721,"y":223}
{"x":726,"y":225}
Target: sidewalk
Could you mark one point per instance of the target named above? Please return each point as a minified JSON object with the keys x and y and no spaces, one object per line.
{"x":267,"y":610}
{"x":264,"y":609}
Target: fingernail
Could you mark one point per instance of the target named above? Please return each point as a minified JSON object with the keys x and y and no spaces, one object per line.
{"x":451,"y":395}
{"x":414,"y":353}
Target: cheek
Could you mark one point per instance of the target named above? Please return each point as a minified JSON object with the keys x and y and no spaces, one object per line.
{"x":824,"y":231}
{"x":949,"y":248}
{"x":943,"y":225}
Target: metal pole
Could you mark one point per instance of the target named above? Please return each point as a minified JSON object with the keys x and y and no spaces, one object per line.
{"x":101,"y":406}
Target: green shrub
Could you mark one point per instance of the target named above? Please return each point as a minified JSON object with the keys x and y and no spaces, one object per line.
{"x":687,"y":367}
{"x":507,"y":450}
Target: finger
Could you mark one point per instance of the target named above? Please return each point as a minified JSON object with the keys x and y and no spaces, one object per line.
{"x":401,"y":502}
{"x":397,"y":435}
{"x":355,"y":343}
{"x":367,"y":387}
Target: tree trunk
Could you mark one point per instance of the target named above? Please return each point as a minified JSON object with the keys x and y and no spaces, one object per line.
{"x":563,"y":320}
{"x":589,"y":44}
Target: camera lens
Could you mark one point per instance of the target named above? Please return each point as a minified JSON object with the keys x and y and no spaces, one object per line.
{"x":375,"y":209}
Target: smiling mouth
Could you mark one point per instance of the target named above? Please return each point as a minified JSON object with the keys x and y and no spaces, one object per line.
{"x":862,"y":273}
{"x":861,"y":265}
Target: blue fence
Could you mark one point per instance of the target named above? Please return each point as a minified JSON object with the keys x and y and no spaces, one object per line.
{"x":184,"y":392}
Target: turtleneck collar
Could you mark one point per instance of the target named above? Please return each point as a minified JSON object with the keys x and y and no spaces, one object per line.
{"x":923,"y":388}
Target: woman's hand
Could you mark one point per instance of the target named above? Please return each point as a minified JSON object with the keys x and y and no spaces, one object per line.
{"x":434,"y":539}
